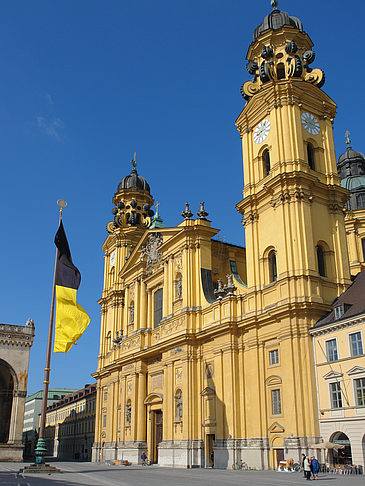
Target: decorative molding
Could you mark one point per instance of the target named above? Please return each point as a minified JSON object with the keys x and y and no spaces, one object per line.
{"x":332,"y":374}
{"x":356,"y":370}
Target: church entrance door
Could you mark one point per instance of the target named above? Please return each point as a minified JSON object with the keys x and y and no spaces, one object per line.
{"x":158,"y":433}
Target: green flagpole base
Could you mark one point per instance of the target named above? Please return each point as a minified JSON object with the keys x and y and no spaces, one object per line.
{"x":40,"y":466}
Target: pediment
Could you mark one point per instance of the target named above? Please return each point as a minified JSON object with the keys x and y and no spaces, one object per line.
{"x":153,"y":398}
{"x":137,"y":257}
{"x":276,"y":428}
{"x":273,"y":380}
{"x":332,"y":374}
{"x":356,"y":370}
{"x":207,"y":392}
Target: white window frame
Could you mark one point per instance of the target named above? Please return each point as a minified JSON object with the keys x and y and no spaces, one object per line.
{"x":327,"y":341}
{"x":350,"y":347}
{"x":361,"y":377}
{"x":336,"y":382}
{"x":271,"y":353}
{"x":339,"y":311}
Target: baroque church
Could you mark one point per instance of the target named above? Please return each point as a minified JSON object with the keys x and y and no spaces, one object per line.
{"x":205,"y":356}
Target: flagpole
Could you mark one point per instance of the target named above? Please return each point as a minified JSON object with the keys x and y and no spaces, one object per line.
{"x":41,"y":448}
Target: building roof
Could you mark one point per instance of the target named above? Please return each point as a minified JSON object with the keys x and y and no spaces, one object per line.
{"x":275,"y":21}
{"x":353,"y":302}
{"x":133,"y":181}
{"x":51,"y":393}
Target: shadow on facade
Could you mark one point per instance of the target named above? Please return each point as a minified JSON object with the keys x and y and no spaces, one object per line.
{"x":214,"y":426}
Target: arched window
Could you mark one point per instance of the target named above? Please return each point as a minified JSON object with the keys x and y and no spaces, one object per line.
{"x":272,"y":266}
{"x":310,"y":155}
{"x":266,"y":162}
{"x":320,"y":261}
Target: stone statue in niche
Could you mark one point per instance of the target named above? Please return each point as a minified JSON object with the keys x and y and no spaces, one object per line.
{"x":179,"y":405}
{"x":179,"y":287}
{"x":131,"y":317}
{"x":128,"y":413}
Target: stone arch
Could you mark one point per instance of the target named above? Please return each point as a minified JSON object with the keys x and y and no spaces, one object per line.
{"x":273,"y":380}
{"x":277,"y":442}
{"x":8,"y":384}
{"x":341,"y":456}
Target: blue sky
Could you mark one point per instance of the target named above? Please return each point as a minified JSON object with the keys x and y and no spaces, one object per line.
{"x":85,"y":84}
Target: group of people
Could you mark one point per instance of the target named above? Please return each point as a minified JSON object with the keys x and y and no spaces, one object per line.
{"x":310,"y":467}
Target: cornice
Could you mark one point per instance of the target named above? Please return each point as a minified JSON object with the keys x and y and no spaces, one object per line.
{"x":335,"y":326}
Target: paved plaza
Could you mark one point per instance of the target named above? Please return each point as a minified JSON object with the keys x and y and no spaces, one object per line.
{"x":91,"y":474}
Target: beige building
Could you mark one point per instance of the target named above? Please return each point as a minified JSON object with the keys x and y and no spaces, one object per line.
{"x":205,"y":355}
{"x":70,"y":425}
{"x":15,"y":344}
{"x":338,"y":341}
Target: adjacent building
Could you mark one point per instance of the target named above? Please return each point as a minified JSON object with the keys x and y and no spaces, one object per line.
{"x":338,"y":341}
{"x":15,"y":344}
{"x":70,"y":425}
{"x":205,"y":352}
{"x":33,"y":407}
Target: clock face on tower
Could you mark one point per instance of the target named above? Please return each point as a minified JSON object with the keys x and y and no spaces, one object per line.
{"x":261,"y":131}
{"x":310,"y":123}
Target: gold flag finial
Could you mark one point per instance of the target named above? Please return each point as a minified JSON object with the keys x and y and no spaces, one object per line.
{"x":274,"y":3}
{"x":156,"y":206}
{"x":133,"y":161}
{"x":62,"y":204}
{"x":347,"y":135}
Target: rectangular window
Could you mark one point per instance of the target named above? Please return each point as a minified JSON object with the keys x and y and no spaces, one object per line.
{"x":339,"y":311}
{"x":274,"y":357}
{"x":360,"y":392}
{"x":105,"y":396}
{"x":336,"y":395}
{"x":331,"y":349}
{"x":276,"y":402}
{"x":356,"y":344}
{"x":104,"y":421}
{"x":363,"y":248}
{"x":158,"y":299}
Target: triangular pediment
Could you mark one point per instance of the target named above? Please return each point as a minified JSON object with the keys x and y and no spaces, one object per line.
{"x":137,"y":258}
{"x":332,"y":374}
{"x":356,"y":370}
{"x":276,"y":428}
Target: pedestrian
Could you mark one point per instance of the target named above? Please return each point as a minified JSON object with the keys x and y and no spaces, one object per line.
{"x":314,"y":467}
{"x":303,"y":457}
{"x":307,"y":468}
{"x":144,"y":459}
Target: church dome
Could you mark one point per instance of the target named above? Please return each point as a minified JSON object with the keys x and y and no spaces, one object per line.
{"x":275,"y":21}
{"x":352,"y":156}
{"x":133,"y":181}
{"x":353,"y":183}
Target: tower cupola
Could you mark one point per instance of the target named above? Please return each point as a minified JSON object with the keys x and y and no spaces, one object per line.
{"x":351,"y":169}
{"x":132,"y":202}
{"x":280,"y":51}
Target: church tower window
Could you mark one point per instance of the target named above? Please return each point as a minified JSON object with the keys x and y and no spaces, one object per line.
{"x":266,"y":162}
{"x":320,"y":261}
{"x":281,"y":71}
{"x":363,"y":248}
{"x":158,"y":299}
{"x":310,"y":156}
{"x":273,"y":266}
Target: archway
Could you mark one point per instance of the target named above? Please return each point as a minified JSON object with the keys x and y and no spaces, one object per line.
{"x":6,"y":401}
{"x":341,"y":456}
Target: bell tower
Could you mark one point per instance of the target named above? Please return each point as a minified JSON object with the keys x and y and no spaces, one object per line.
{"x":293,"y":202}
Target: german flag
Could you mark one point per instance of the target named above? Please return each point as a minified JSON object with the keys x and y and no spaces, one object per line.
{"x":71,"y":318}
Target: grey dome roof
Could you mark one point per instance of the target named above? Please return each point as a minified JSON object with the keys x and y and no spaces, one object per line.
{"x":350,"y":155}
{"x":275,"y":21}
{"x":133,"y":181}
{"x":353,"y":183}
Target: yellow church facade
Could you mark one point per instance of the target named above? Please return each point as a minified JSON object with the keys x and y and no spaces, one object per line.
{"x":205,"y":356}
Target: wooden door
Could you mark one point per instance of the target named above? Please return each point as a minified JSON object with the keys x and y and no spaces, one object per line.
{"x":158,"y":433}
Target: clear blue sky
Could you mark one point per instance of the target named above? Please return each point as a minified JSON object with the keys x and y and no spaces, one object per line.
{"x":84,"y":84}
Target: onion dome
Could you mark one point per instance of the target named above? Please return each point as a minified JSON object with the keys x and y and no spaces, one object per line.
{"x":133,"y":181}
{"x":276,"y":20}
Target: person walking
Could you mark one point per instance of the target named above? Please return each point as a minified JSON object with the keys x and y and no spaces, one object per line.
{"x":144,"y":459}
{"x":314,"y":467}
{"x":303,"y":457}
{"x":307,"y":468}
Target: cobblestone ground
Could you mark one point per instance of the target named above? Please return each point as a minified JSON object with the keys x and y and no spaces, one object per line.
{"x":90,"y":474}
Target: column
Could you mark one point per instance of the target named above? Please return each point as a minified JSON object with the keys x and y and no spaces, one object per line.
{"x":141,"y":411}
{"x":143,"y":306}
{"x":149,"y":309}
{"x":166,"y":283}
